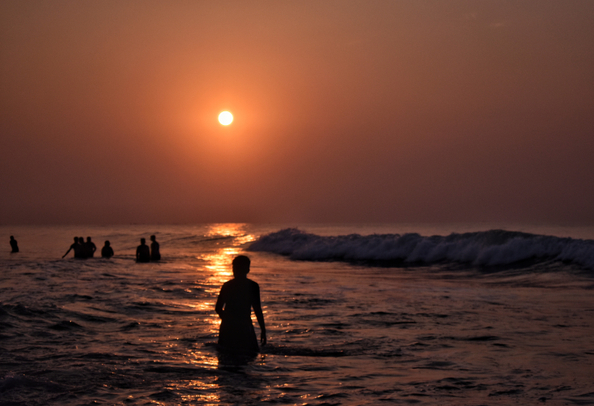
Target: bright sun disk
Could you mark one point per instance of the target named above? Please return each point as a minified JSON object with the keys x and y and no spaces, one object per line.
{"x":225,"y":118}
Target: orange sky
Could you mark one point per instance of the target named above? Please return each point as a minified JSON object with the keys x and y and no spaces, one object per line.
{"x":345,"y":111}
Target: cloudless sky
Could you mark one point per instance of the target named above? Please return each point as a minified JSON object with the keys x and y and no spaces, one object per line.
{"x":345,"y":111}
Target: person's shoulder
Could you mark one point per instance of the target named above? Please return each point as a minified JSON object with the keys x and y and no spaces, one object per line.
{"x":253,"y":283}
{"x":227,"y":286}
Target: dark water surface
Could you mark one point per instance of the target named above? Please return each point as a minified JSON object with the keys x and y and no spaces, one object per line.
{"x":113,"y":332}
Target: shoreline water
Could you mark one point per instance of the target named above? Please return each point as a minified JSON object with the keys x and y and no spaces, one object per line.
{"x":116,"y":332}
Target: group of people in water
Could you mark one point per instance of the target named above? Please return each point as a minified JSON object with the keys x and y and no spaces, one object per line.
{"x":146,"y":254}
{"x":236,"y":300}
{"x":86,"y":249}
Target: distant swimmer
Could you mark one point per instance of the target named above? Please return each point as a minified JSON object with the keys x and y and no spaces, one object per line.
{"x":155,"y":254}
{"x":77,"y":248}
{"x":143,"y":253}
{"x":107,"y":251}
{"x":89,"y":248}
{"x":13,"y":244}
{"x":236,"y":300}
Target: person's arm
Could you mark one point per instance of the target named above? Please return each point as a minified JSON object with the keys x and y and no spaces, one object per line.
{"x":67,"y":251}
{"x":259,"y":315}
{"x":137,"y":252}
{"x":220,"y":303}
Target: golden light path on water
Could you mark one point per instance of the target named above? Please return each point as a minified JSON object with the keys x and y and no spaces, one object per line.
{"x":216,"y":271}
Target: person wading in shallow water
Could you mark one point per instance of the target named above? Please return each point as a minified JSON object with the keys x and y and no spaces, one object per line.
{"x":77,"y":247}
{"x":13,"y":244}
{"x":234,"y":305}
{"x":107,"y":251}
{"x":89,"y":248}
{"x":155,"y":254}
{"x":143,"y":253}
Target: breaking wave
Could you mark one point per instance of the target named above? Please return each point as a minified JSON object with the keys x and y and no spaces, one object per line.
{"x":485,"y":248}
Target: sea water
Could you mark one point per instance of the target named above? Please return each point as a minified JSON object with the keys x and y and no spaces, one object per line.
{"x":356,"y":314}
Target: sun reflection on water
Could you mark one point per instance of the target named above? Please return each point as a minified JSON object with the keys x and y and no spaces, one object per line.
{"x":226,"y":241}
{"x":204,"y":360}
{"x":219,"y":261}
{"x":198,"y":391}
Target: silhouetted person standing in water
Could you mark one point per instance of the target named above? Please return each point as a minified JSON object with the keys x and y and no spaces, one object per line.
{"x":90,"y":248}
{"x":234,"y":305}
{"x":155,"y":254}
{"x":143,"y":253}
{"x":107,"y":251}
{"x":83,"y":249}
{"x":77,"y":248}
{"x":13,"y":244}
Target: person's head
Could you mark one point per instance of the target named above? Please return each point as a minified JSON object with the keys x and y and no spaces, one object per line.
{"x":88,"y":239}
{"x":12,"y":237}
{"x":241,"y":266}
{"x":81,"y":240}
{"x":107,"y":243}
{"x":153,"y":238}
{"x":142,"y":241}
{"x":75,"y":239}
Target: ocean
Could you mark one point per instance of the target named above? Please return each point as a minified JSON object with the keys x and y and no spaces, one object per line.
{"x":474,"y":314}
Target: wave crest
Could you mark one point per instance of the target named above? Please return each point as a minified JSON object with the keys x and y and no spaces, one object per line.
{"x":485,"y":248}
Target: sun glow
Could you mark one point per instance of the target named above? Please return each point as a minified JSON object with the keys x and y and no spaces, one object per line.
{"x":225,"y":118}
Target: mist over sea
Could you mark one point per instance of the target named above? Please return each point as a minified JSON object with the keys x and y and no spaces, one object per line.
{"x":356,"y":314}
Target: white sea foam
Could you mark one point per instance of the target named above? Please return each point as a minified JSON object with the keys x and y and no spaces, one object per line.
{"x":488,"y":248}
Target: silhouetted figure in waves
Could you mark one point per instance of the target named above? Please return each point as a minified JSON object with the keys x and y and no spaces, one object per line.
{"x":155,"y":254}
{"x":83,"y":249}
{"x":234,"y":305}
{"x":77,"y":248}
{"x":89,"y":248}
{"x":13,"y":244}
{"x":143,"y":253}
{"x":107,"y":251}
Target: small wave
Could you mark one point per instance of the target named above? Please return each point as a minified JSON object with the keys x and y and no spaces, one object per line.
{"x":76,"y":297}
{"x":19,"y":382}
{"x":103,"y":356}
{"x":303,"y":352}
{"x":20,"y":311}
{"x":483,"y":249}
{"x":66,"y":326}
{"x":130,"y":326}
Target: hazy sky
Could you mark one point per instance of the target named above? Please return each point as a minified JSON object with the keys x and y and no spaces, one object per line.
{"x":345,"y":111}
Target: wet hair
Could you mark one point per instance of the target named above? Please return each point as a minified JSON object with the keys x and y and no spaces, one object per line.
{"x":107,"y":242}
{"x":153,"y":237}
{"x":241,"y":265}
{"x":142,"y":240}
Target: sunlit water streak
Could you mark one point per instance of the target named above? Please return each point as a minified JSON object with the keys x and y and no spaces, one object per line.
{"x":112,"y":331}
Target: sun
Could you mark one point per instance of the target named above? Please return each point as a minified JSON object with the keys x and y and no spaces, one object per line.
{"x":225,"y":118}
